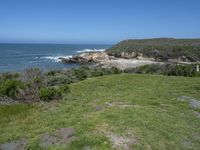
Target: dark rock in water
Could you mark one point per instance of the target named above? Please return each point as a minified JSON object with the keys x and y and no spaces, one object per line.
{"x":61,"y":136}
{"x":69,"y":60}
{"x":14,"y":145}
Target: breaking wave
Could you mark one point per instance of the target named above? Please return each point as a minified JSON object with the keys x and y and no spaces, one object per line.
{"x":56,"y":58}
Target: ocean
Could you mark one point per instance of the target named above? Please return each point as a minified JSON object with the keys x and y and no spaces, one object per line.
{"x":18,"y":57}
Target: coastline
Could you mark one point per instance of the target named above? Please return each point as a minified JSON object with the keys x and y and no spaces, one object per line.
{"x":102,"y":59}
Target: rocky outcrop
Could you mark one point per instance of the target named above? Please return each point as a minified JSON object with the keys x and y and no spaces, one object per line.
{"x":122,"y":63}
{"x":90,"y":57}
{"x":102,"y":59}
{"x":130,"y":55}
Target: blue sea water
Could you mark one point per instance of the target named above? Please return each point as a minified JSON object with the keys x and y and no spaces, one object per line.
{"x":17,"y":57}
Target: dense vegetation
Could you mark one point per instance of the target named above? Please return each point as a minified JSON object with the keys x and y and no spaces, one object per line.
{"x":143,"y":111}
{"x":166,"y":69}
{"x":161,"y":49}
{"x":33,"y":85}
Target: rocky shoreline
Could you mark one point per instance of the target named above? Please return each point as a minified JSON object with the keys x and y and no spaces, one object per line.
{"x":87,"y":57}
{"x":125,"y":61}
{"x":102,"y":59}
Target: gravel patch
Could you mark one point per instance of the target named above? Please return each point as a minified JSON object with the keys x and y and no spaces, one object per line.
{"x":121,"y":142}
{"x":99,"y":108}
{"x":194,"y":103}
{"x":197,"y":114}
{"x":7,"y":101}
{"x":121,"y":105}
{"x":188,"y":144}
{"x":123,"y":64}
{"x":14,"y":145}
{"x":61,"y":136}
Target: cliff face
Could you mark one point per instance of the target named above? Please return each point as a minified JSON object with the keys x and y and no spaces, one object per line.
{"x":160,"y":49}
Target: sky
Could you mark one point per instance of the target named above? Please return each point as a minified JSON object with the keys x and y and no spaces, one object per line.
{"x":97,"y":21}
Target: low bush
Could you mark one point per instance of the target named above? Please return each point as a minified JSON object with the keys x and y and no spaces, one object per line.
{"x":58,"y":80}
{"x":33,"y":85}
{"x":181,"y":70}
{"x":11,"y":87}
{"x":81,"y":73}
{"x":52,"y":72}
{"x":97,"y":72}
{"x":48,"y":94}
{"x":151,"y":69}
{"x":166,"y":69}
{"x":32,"y":73}
{"x":64,"y":88}
{"x":115,"y":70}
{"x":7,"y":75}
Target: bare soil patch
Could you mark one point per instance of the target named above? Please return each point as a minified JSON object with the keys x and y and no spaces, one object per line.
{"x":122,"y":142}
{"x":194,"y":103}
{"x":14,"y":145}
{"x":61,"y":136}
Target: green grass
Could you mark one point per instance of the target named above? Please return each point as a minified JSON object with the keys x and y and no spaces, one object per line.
{"x":156,"y":118}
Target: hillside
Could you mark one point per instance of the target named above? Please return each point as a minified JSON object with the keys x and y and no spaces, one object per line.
{"x":110,"y":112}
{"x":161,"y":48}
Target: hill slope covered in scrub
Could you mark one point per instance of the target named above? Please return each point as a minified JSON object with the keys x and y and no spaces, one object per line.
{"x":110,"y":112}
{"x":161,"y":48}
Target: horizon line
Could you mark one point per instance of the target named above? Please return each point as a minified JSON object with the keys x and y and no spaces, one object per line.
{"x":101,"y":43}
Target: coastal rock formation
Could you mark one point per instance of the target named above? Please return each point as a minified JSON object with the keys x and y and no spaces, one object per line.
{"x":102,"y":59}
{"x":130,"y":55}
{"x":122,"y":63}
{"x":88,"y":57}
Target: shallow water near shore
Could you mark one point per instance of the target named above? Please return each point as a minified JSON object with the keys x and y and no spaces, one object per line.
{"x":17,"y":57}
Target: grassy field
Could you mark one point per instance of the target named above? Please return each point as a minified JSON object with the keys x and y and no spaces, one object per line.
{"x":138,"y":111}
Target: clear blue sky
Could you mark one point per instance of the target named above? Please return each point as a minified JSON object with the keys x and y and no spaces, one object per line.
{"x":97,"y":21}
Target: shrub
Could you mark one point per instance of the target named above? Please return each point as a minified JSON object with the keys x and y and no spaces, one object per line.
{"x":52,"y":72}
{"x":32,"y":73}
{"x":64,"y":88}
{"x":34,"y":78}
{"x":10,"y":88}
{"x":166,"y":69}
{"x":81,"y":73}
{"x":37,"y":82}
{"x":181,"y":70}
{"x":97,"y":72}
{"x":151,"y":69}
{"x":48,"y":94}
{"x":58,"y":80}
{"x":6,"y":76}
{"x":115,"y":70}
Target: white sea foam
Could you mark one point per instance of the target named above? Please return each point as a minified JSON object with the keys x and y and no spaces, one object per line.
{"x":56,"y":58}
{"x":91,"y":50}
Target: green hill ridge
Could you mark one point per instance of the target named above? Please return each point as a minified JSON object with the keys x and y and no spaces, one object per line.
{"x":160,"y":48}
